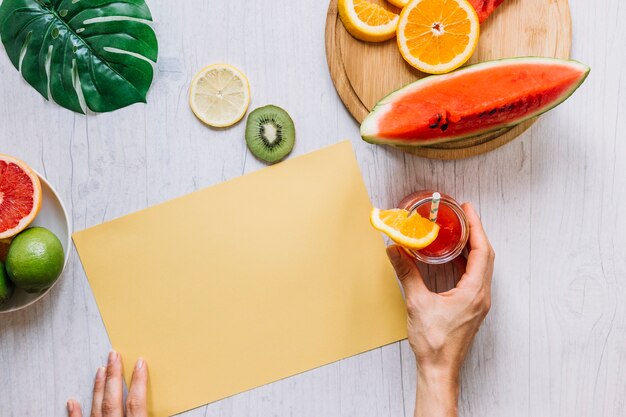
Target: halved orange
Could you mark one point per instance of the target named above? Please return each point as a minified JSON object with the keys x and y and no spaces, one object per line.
{"x":399,"y":3}
{"x":438,"y":36}
{"x":409,"y":230}
{"x":367,"y":21}
{"x":20,"y":196}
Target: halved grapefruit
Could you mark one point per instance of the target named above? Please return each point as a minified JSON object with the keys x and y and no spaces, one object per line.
{"x":20,"y":196}
{"x":484,"y":8}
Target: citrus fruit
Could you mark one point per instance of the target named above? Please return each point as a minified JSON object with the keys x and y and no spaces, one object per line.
{"x":219,"y":95}
{"x":6,"y":286}
{"x":20,"y":196}
{"x":367,"y":21}
{"x":399,"y":3}
{"x":410,"y":231}
{"x":438,"y":36}
{"x":35,"y":259}
{"x":484,"y":8}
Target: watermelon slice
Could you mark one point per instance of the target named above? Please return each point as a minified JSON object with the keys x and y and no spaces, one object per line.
{"x":484,"y":8}
{"x":472,"y":101}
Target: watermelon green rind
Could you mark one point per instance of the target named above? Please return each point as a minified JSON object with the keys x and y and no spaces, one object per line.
{"x":369,"y":125}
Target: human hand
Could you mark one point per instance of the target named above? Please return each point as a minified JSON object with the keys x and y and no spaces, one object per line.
{"x":441,"y":327}
{"x":107,"y":391}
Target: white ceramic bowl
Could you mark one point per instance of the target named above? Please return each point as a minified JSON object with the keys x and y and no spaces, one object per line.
{"x":53,"y":217}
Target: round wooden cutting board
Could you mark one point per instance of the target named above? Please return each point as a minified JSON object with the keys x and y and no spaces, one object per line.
{"x":364,"y":72}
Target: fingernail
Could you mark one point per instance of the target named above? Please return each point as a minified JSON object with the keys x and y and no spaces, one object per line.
{"x":100,"y":373}
{"x":112,"y":357}
{"x":139,"y":364}
{"x":70,"y":406}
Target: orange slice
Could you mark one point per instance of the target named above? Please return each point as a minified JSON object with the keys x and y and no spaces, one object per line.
{"x":410,"y":231}
{"x":399,"y":3}
{"x":20,"y":196}
{"x":438,"y":36}
{"x":368,"y":21}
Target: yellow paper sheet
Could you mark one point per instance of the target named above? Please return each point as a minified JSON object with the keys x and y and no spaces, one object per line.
{"x":246,"y":282}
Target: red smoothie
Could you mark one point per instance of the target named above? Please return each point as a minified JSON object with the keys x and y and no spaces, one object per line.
{"x":449,"y":231}
{"x":453,"y":232}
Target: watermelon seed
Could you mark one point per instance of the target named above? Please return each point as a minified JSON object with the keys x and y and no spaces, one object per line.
{"x":482,"y":114}
{"x":444,"y":127}
{"x":435,"y":123}
{"x":492,"y":112}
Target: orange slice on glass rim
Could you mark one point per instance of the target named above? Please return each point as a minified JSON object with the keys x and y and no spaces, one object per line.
{"x":438,"y":36}
{"x":409,"y":230}
{"x":20,"y":196}
{"x":367,"y":21}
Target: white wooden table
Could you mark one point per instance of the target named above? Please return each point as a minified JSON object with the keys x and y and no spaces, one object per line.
{"x":553,"y":203}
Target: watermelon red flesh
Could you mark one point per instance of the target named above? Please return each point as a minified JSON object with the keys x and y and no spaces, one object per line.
{"x":472,"y":101}
{"x":484,"y":8}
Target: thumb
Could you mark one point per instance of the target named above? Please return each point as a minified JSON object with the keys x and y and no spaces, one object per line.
{"x":73,"y":409}
{"x":406,"y":269}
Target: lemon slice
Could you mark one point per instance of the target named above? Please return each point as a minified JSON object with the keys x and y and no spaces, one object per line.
{"x":367,"y":21}
{"x":219,"y":95}
{"x":410,"y":231}
{"x":438,"y":36}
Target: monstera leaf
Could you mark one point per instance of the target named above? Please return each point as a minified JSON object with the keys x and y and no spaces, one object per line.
{"x":96,"y":54}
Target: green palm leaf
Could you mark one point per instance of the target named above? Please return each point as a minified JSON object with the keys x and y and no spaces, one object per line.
{"x":83,"y":54}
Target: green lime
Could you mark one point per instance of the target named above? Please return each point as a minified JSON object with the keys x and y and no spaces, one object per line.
{"x":6,"y":286}
{"x":35,"y":259}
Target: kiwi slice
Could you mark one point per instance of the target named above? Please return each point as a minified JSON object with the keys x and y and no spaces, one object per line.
{"x":270,"y":133}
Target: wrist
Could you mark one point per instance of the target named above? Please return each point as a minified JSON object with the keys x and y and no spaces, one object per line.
{"x":437,"y":392}
{"x":448,"y":375}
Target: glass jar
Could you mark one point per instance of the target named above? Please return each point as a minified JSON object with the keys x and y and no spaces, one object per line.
{"x":453,"y":232}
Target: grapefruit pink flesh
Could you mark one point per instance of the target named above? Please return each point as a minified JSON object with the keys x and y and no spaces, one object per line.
{"x":484,"y":8}
{"x":472,"y":101}
{"x":20,"y":196}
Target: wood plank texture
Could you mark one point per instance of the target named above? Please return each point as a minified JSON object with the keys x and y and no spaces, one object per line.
{"x":365,"y":72}
{"x":552,"y":202}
